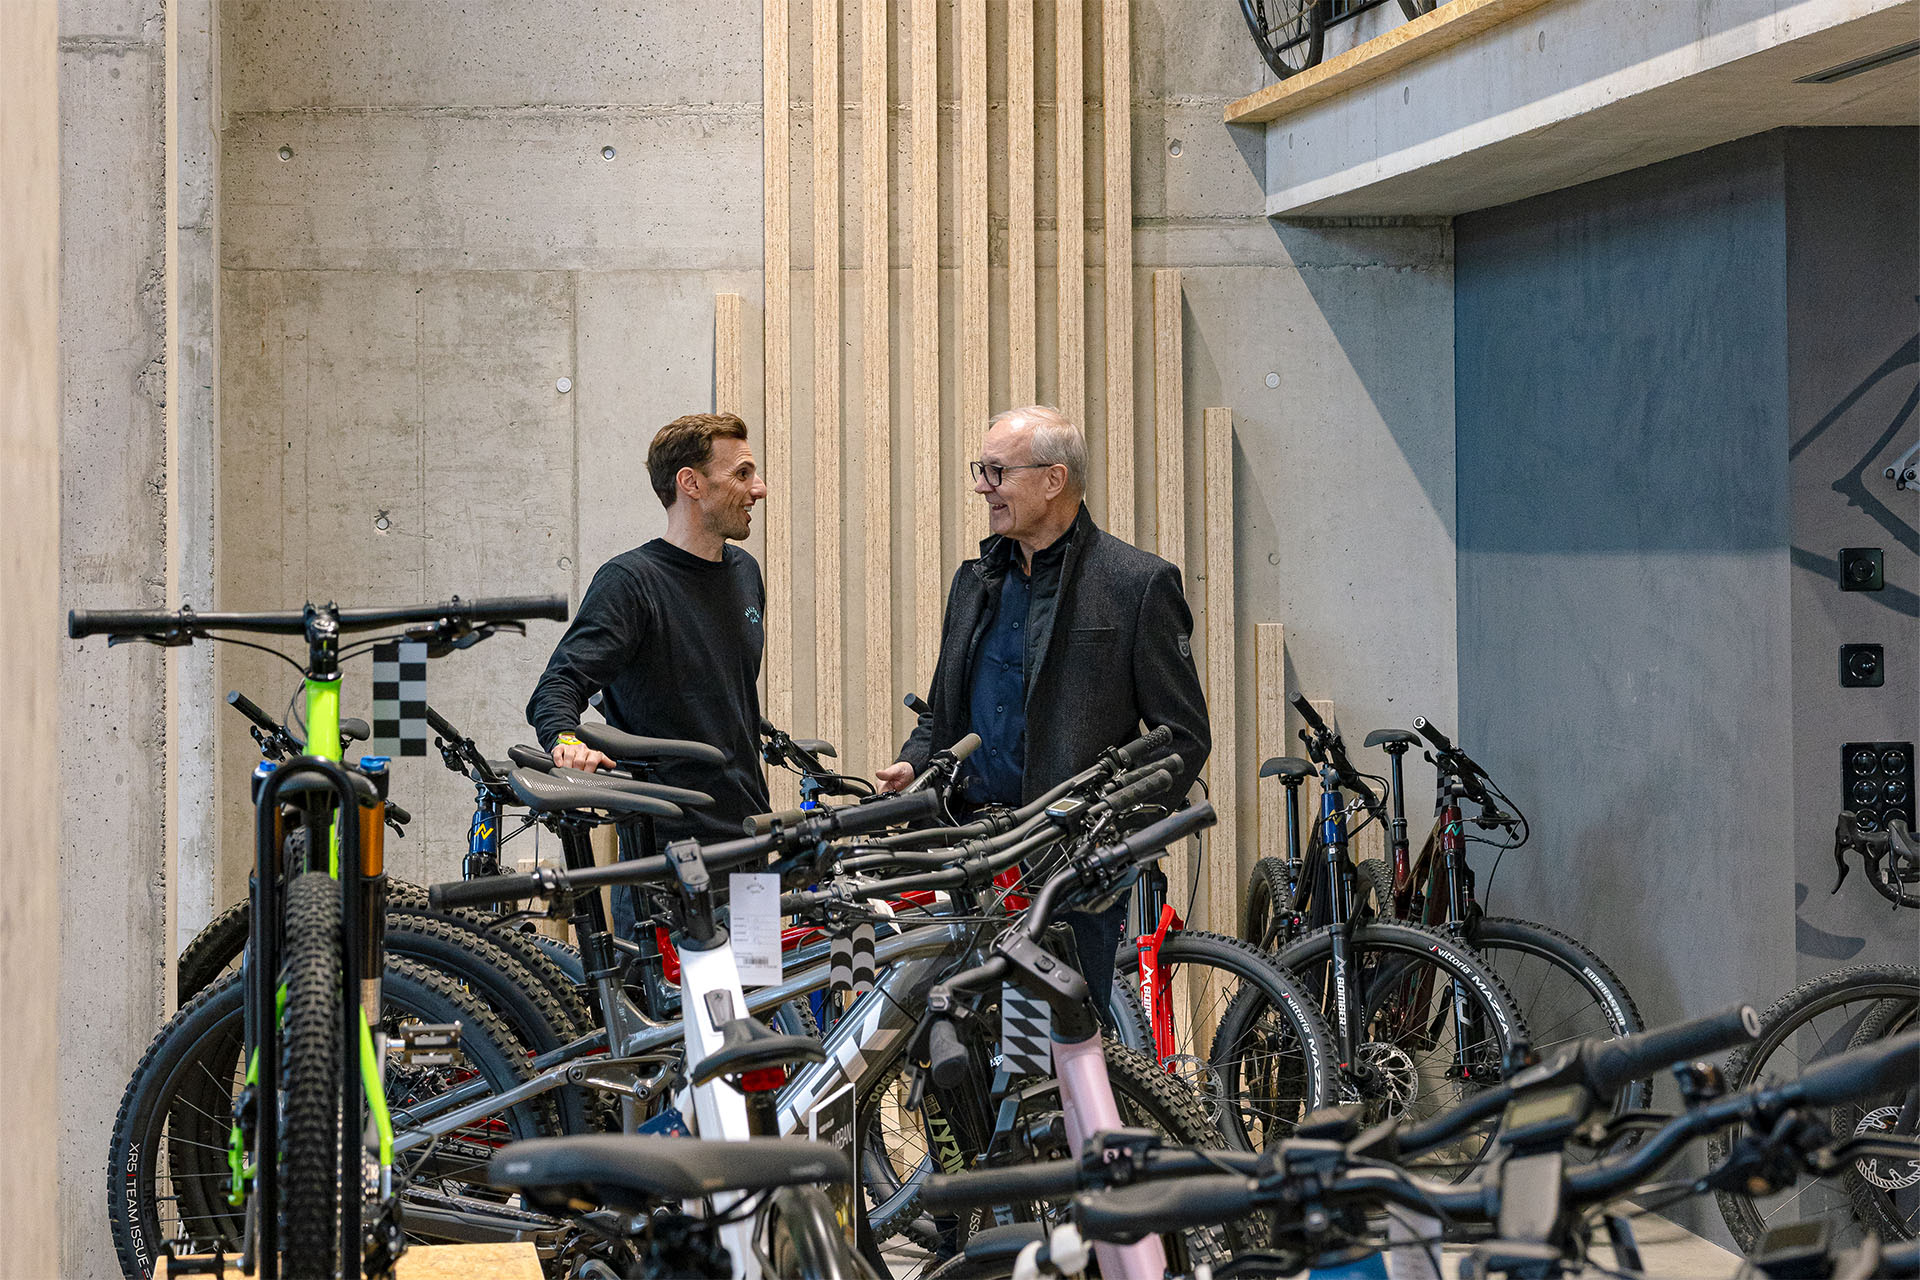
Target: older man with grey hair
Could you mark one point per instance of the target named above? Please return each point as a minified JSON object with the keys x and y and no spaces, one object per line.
{"x":1059,"y":641}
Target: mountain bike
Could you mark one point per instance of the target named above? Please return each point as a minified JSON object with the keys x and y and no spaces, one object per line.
{"x":313,"y":1027}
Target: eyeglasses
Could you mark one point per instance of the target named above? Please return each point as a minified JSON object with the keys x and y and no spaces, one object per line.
{"x":993,"y":472}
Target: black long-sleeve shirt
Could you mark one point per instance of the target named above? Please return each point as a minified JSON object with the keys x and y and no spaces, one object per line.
{"x":673,"y":643}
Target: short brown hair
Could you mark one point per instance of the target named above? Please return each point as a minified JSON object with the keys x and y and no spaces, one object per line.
{"x":687,"y":442}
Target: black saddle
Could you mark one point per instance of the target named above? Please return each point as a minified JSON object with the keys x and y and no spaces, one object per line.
{"x":544,"y":793}
{"x":1388,"y":736}
{"x":630,"y":748}
{"x":631,"y":1173}
{"x":533,"y":758}
{"x":1288,"y":768}
{"x":747,"y":1045}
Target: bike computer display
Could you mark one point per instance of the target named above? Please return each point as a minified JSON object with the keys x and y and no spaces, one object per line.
{"x":1548,"y":1116}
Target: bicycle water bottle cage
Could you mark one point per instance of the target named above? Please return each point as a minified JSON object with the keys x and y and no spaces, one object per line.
{"x":747,"y":1045}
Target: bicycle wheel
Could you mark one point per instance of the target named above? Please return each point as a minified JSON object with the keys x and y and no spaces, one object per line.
{"x":1414,"y":8}
{"x":1376,"y":877}
{"x":1885,"y":1193}
{"x":804,"y":1239}
{"x":1276,"y":1062}
{"x":1287,"y":33}
{"x":1814,"y":1021}
{"x":1564,"y":992}
{"x":310,"y":1066}
{"x":1413,"y":1054}
{"x":1269,"y":897}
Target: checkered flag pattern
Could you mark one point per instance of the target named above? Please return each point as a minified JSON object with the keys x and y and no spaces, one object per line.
{"x":1026,"y":1041}
{"x":850,"y":962}
{"x":399,"y":699}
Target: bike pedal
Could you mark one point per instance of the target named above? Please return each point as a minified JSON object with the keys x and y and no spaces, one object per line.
{"x":425,"y":1044}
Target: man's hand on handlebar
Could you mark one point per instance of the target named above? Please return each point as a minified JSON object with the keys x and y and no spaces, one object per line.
{"x":894,"y":776}
{"x":571,"y":753}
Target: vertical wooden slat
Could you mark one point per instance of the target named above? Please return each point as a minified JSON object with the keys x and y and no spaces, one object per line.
{"x":777,"y":251}
{"x":970,"y":21}
{"x":1269,"y":738}
{"x":1070,"y":164}
{"x":876,"y":363}
{"x":1021,"y":309}
{"x":926,"y":340}
{"x":1116,"y":97}
{"x":728,"y":396}
{"x":827,"y":452}
{"x":1223,"y":773}
{"x":1169,"y":425}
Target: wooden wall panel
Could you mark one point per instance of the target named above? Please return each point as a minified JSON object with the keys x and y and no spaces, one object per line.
{"x":827,"y":451}
{"x":970,"y":20}
{"x":728,"y":383}
{"x":928,"y":575}
{"x":777,"y":250}
{"x":876,"y":381}
{"x":1223,"y":771}
{"x":1269,"y":738}
{"x":1116,"y":109}
{"x":1070,"y":209}
{"x":1169,"y":422}
{"x":1022,"y":326}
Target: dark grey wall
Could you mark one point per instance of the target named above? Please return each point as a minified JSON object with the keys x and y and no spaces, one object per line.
{"x":1625,"y":649}
{"x":1852,"y":269}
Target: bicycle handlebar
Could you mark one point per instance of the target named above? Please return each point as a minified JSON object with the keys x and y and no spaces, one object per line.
{"x":1307,"y":713}
{"x":1149,"y":744}
{"x":470,"y":893}
{"x":1617,"y":1062}
{"x":985,"y":1188}
{"x":245,"y":706}
{"x":189,"y":622}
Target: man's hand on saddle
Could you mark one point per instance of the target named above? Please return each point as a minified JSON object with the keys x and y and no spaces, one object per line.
{"x":894,"y":776}
{"x":571,"y":753}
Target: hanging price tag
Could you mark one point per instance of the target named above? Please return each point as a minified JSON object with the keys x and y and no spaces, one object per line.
{"x":754,"y":925}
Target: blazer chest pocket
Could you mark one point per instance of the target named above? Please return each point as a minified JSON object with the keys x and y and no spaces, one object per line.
{"x":1090,"y":637}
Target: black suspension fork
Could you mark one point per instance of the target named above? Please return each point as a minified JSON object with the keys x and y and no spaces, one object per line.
{"x":1343,"y":979}
{"x":1467,"y":1028}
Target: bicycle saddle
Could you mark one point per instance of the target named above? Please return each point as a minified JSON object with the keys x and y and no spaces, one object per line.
{"x":630,"y":1172}
{"x":546,"y":794}
{"x":620,"y":782}
{"x":1379,"y":736}
{"x":748,"y":1045}
{"x":629,"y":748}
{"x":1290,"y":768}
{"x":354,"y":729}
{"x":817,"y":747}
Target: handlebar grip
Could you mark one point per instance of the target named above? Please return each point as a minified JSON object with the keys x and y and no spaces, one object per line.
{"x":1139,"y":792}
{"x":984,"y":1188}
{"x":1144,"y":747}
{"x":245,"y":706}
{"x":1616,"y":1062}
{"x":1426,"y":730}
{"x":92,"y":622}
{"x":947,"y":1056}
{"x":761,"y":823}
{"x":1171,"y":762}
{"x":1149,"y":1208}
{"x":438,"y":723}
{"x":470,"y":893}
{"x":964,"y":748}
{"x":1860,"y":1073}
{"x":1175,"y":826}
{"x":503,"y":608}
{"x":398,"y":814}
{"x":1307,"y":713}
{"x":877,"y":815}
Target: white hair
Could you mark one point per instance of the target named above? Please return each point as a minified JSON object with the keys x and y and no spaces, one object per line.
{"x":1056,"y":440}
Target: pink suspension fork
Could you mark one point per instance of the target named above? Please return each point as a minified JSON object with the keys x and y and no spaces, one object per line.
{"x":1086,"y":1097}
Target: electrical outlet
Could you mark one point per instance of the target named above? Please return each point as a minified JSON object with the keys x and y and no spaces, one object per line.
{"x":1876,"y":782}
{"x":1863,"y":569}
{"x":1862,"y":666}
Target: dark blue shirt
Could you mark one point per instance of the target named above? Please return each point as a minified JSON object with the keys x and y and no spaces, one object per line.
{"x":998,"y":708}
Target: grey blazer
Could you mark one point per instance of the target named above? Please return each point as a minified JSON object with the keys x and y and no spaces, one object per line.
{"x":1116,"y":659}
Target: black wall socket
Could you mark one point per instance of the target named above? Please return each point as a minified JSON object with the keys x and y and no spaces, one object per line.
{"x":1862,"y":666}
{"x":1862,"y":569}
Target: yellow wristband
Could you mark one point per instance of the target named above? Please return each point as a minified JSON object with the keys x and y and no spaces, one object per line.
{"x":568,"y":740}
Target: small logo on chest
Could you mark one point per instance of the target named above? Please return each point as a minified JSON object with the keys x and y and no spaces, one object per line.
{"x":753,"y":614}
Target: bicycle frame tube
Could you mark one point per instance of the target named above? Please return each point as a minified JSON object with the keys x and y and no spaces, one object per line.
{"x":1346,"y":983}
{"x":1086,"y":1099}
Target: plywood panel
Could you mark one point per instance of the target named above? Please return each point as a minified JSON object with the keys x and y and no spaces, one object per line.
{"x":925,"y":217}
{"x":876,"y":384}
{"x":1070,"y":209}
{"x":728,"y":384}
{"x":1021,"y":309}
{"x":827,"y":451}
{"x":970,"y":21}
{"x":1169,"y":426}
{"x":777,"y":251}
{"x":1116,"y":99}
{"x":1223,"y":771}
{"x":1269,"y":738}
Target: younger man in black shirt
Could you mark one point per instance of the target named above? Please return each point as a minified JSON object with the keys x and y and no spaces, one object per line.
{"x":670,"y":634}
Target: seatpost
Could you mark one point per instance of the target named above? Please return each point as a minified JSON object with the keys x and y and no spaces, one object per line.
{"x":1397,"y":830}
{"x":1292,"y":785}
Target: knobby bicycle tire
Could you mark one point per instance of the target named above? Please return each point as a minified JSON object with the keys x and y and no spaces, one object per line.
{"x":167,"y":1168}
{"x":1269,"y":900}
{"x":310,"y":1065}
{"x":1816,"y":1019}
{"x":1256,"y":1079}
{"x":1409,"y":1059}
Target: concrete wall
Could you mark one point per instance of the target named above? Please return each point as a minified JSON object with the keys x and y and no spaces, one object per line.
{"x":30,"y":628}
{"x":1851,"y":264}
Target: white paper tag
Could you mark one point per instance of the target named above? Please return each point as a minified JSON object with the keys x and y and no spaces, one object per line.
{"x":754,"y":924}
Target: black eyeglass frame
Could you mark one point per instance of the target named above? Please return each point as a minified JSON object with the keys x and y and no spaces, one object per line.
{"x":981,"y":470}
